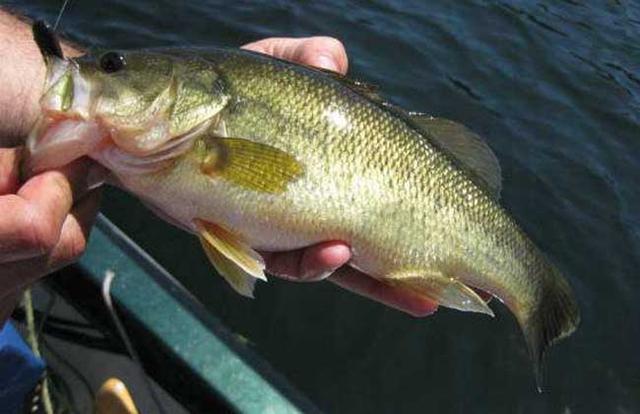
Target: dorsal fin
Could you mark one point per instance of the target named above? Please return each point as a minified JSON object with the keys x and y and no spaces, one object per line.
{"x":466,"y":146}
{"x":462,"y":143}
{"x":358,"y":86}
{"x":363,"y":88}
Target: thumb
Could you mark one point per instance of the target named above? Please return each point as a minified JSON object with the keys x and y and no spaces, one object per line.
{"x":320,"y":51}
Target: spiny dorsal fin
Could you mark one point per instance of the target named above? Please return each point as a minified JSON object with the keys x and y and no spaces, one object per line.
{"x":466,"y":146}
{"x":363,"y":88}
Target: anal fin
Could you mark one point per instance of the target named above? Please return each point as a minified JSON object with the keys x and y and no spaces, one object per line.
{"x":237,"y":262}
{"x":444,"y":290}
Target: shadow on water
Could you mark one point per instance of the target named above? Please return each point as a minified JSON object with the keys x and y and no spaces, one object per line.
{"x":553,"y":86}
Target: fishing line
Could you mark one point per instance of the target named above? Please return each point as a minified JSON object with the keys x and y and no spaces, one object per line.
{"x":62,"y":9}
{"x":106,"y":296}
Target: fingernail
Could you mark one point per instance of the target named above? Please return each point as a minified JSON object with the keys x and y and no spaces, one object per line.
{"x":326,"y":62}
{"x":96,"y":176}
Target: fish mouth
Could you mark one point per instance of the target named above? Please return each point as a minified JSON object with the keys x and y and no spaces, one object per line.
{"x":64,"y":130}
{"x":57,"y":142}
{"x":60,"y":137}
{"x":69,"y":128}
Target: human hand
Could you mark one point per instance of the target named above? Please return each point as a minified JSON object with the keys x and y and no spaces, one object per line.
{"x":44,"y":223}
{"x":320,"y":261}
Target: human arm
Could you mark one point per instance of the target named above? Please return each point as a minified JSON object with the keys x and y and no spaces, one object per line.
{"x":45,"y":221}
{"x":22,"y":74}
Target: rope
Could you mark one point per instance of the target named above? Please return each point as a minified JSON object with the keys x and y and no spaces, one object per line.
{"x":32,"y":338}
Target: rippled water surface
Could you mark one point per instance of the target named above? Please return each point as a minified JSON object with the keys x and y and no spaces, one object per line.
{"x":554,"y":86}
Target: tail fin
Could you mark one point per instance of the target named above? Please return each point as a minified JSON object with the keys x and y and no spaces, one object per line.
{"x":556,"y":317}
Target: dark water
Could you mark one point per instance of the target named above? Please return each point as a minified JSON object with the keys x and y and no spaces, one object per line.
{"x":554,"y":86}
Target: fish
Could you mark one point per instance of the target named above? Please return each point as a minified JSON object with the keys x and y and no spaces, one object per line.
{"x":252,"y":153}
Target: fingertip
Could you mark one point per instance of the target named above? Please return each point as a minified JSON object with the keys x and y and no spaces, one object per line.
{"x":327,"y":255}
{"x":325,"y":52}
{"x":321,"y":51}
{"x":73,"y":242}
{"x":313,"y":263}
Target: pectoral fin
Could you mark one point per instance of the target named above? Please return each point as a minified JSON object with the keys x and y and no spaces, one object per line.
{"x":238,"y":263}
{"x":444,"y":290}
{"x":249,"y":164}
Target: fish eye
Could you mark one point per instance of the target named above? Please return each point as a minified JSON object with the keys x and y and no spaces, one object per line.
{"x":112,"y":62}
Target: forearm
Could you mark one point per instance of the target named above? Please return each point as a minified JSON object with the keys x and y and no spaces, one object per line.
{"x":22,"y":74}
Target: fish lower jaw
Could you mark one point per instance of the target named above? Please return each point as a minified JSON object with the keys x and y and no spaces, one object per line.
{"x":56,"y":141}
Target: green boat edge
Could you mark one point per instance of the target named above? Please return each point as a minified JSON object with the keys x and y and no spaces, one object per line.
{"x":181,"y":345}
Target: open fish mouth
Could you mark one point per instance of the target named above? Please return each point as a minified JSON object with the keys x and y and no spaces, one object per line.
{"x":64,"y":131}
{"x":57,"y":142}
{"x":69,"y":126}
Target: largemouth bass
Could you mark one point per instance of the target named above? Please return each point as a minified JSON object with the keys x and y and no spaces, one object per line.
{"x":253,"y":153}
